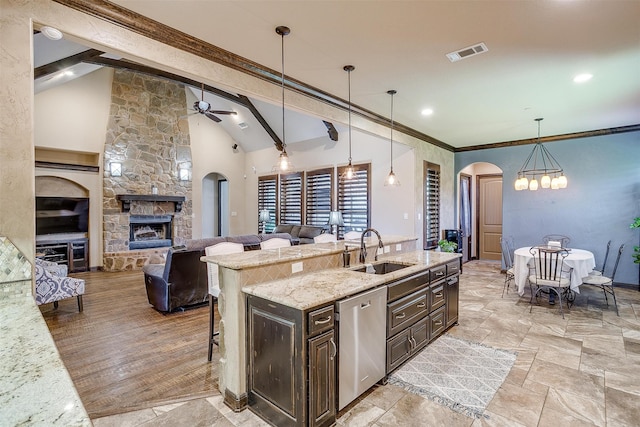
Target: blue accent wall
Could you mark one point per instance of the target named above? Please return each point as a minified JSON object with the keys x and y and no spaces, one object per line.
{"x":601,"y":200}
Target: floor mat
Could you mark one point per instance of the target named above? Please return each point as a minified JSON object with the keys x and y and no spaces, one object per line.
{"x":460,"y":374}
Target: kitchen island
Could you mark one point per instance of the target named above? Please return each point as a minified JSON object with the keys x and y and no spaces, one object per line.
{"x":305,"y":282}
{"x":312,"y":351}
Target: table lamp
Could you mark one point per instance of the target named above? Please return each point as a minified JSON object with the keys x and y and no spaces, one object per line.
{"x":335,"y":218}
{"x":264,"y":217}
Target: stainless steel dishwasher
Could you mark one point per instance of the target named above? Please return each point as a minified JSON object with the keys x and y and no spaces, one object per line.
{"x":362,"y":343}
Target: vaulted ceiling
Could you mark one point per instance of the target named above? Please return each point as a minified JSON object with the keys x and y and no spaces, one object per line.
{"x":532,"y":51}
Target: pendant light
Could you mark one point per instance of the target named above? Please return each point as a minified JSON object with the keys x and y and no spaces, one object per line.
{"x":349,"y":173}
{"x":391,"y":178}
{"x":540,"y":163}
{"x":283,"y":161}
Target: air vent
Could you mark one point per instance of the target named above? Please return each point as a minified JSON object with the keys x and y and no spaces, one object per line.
{"x":243,"y":125}
{"x":467,"y":52}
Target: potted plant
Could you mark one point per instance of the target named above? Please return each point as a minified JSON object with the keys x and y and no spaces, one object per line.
{"x":636,"y":249}
{"x":447,"y":246}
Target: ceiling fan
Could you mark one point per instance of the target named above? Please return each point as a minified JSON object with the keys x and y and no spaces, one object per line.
{"x":203,"y":107}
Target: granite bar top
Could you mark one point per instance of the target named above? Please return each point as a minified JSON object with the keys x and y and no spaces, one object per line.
{"x":313,"y":289}
{"x":35,"y":387}
{"x":251,"y":259}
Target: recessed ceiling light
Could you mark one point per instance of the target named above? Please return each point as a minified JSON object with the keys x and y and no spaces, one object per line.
{"x":581,"y":78}
{"x":427,"y":112}
{"x":51,"y":33}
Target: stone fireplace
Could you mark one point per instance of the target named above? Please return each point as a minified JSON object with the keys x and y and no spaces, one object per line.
{"x":148,"y":207}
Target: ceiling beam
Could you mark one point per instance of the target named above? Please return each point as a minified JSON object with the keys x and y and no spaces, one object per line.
{"x":238,"y":99}
{"x":67,"y":62}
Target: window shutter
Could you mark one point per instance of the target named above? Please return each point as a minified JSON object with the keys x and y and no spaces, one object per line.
{"x":291,"y":198}
{"x":354,"y":199}
{"x":267,"y":199}
{"x":431,"y":205}
{"x":318,"y":196}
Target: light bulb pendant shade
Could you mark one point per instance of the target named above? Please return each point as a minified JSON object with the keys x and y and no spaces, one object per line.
{"x":349,"y":173}
{"x":284,"y":164}
{"x":392,"y":179}
{"x":540,"y":163}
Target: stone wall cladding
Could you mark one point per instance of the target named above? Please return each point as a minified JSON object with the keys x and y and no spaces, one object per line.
{"x":147,"y":132}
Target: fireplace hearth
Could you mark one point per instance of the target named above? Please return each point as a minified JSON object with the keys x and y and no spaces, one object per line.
{"x":150,"y":231}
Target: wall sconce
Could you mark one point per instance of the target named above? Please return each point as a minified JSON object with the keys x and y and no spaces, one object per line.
{"x":184,"y":173}
{"x":115,"y":168}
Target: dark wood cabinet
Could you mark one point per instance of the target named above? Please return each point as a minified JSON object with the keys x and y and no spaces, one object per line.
{"x":452,"y":292}
{"x":420,"y":317}
{"x":74,"y":252}
{"x":292,"y":363}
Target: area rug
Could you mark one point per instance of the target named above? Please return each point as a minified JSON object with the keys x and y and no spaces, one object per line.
{"x":459,"y":374}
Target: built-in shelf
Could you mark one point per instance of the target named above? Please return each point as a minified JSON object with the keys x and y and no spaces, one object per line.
{"x":126,"y":200}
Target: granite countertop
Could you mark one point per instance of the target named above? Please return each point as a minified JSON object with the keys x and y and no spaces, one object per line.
{"x":251,"y":259}
{"x":35,"y":387}
{"x":317,"y":288}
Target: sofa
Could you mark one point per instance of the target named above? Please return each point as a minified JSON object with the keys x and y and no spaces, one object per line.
{"x":182,"y":280}
{"x":304,"y":234}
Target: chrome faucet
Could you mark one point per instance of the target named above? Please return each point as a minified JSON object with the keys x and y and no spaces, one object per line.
{"x":363,"y":248}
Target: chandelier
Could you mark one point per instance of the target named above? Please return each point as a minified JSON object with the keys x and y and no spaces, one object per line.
{"x":540,"y":164}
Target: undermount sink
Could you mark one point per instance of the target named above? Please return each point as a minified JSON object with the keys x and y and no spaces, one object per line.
{"x":381,"y":268}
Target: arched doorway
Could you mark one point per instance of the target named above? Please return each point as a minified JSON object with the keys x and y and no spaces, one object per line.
{"x":480,"y":210}
{"x":215,"y":205}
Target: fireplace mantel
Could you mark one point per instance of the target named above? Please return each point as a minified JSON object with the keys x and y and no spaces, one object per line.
{"x":128,"y":198}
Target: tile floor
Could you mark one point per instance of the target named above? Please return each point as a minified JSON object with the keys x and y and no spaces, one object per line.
{"x":583,"y":370}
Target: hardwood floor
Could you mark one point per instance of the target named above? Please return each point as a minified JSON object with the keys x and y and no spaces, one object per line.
{"x":124,"y":355}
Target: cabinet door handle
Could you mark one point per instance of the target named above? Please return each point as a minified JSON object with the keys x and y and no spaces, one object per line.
{"x":335,"y":349}
{"x":410,"y":344}
{"x":324,"y":321}
{"x":421,"y":305}
{"x":401,"y":315}
{"x":439,"y":295}
{"x":439,"y":273}
{"x":415,"y":343}
{"x":438,"y":323}
{"x":365,"y":305}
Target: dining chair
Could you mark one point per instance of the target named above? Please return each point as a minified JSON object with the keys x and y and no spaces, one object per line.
{"x":275,"y":243}
{"x":222,"y":248}
{"x":600,"y":271}
{"x":564,"y":240}
{"x":606,"y":283}
{"x":550,"y":274}
{"x":507,"y":258}
{"x":325,"y":238}
{"x":352,"y":235}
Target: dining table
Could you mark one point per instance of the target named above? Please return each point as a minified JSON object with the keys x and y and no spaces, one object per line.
{"x":580,"y":261}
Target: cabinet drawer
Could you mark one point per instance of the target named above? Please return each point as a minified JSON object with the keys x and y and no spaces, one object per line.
{"x":405,"y":311}
{"x":320,"y":320}
{"x":437,"y":295}
{"x":453,"y":268}
{"x":407,"y":285}
{"x":437,"y":322}
{"x":438,"y":273}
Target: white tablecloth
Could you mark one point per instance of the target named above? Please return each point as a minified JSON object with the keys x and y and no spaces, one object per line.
{"x":580,"y":260}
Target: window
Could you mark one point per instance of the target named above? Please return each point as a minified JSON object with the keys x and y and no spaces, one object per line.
{"x":291,"y":198}
{"x":431,"y":205}
{"x":267,"y":199}
{"x":354,"y":199}
{"x":318,"y":192}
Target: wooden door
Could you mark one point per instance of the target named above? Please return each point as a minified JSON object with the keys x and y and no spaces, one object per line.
{"x":489,"y":216}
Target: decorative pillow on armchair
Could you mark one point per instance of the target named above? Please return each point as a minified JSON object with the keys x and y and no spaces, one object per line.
{"x":309,"y":232}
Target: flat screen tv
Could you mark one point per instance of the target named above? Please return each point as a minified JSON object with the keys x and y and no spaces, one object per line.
{"x":58,"y":215}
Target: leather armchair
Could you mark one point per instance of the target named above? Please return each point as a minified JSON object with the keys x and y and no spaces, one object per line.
{"x":181,"y":281}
